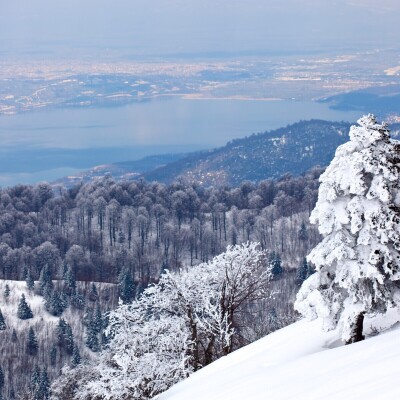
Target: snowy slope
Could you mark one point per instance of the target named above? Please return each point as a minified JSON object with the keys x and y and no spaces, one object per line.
{"x":300,"y":362}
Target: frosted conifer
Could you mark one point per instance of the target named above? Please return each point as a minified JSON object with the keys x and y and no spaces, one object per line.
{"x":32,"y":345}
{"x":44,"y":386}
{"x":357,"y":212}
{"x":76,"y":357}
{"x":3,"y":325}
{"x":1,"y":379}
{"x":24,"y":311}
{"x":7,"y":292}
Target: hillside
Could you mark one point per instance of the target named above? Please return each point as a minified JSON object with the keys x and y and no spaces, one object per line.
{"x":300,"y":362}
{"x":293,"y":149}
{"x":16,"y":363}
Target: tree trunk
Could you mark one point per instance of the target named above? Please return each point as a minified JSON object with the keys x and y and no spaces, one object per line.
{"x":357,"y":330}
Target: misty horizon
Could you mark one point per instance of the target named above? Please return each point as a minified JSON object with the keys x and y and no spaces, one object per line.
{"x":127,"y":29}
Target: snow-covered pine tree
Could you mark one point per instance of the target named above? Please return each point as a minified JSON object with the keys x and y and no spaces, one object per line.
{"x":3,"y":325}
{"x":1,"y":379}
{"x":35,"y":379}
{"x":65,"y":337}
{"x":303,"y":234}
{"x":93,"y":295}
{"x":276,"y":264}
{"x":24,"y":311}
{"x":303,"y":272}
{"x":43,"y":392}
{"x":97,"y":320}
{"x":76,"y":357}
{"x":32,"y":345}
{"x":61,"y":332}
{"x":69,"y":278}
{"x":53,"y":355}
{"x":45,"y":282}
{"x":30,"y":283}
{"x":6,"y":292}
{"x":358,"y":214}
{"x":92,"y":340}
{"x":68,"y":339}
{"x":126,"y":286}
{"x":54,"y":304}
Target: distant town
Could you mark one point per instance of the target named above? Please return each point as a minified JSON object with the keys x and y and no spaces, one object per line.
{"x":28,"y":86}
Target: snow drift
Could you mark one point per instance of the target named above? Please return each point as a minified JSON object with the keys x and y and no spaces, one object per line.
{"x":301,"y":362}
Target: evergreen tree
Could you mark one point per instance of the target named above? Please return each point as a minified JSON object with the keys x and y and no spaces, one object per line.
{"x":63,"y":299}
{"x":1,"y":379}
{"x":76,"y":357}
{"x":93,"y":295}
{"x":78,"y":300}
{"x":126,"y":286}
{"x":45,"y":283}
{"x":32,"y":345}
{"x":35,"y":380}
{"x":7,"y":292}
{"x":30,"y":283}
{"x":88,"y":317}
{"x":303,"y":272}
{"x":69,"y":279}
{"x":97,"y":320}
{"x":14,"y":338}
{"x":45,"y":279}
{"x":53,"y":355}
{"x":358,"y":214}
{"x":43,"y":390}
{"x":24,"y":311}
{"x":303,"y":234}
{"x":92,"y":340}
{"x":3,"y":325}
{"x":65,"y":337}
{"x":54,"y":305}
{"x":68,"y":339}
{"x":276,"y":264}
{"x":61,"y":332}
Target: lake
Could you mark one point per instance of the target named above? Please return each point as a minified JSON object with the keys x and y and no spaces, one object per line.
{"x":46,"y":144}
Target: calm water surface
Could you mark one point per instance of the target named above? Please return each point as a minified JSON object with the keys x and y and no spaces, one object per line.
{"x":37,"y":145}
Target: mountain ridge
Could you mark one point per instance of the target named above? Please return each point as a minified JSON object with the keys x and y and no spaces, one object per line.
{"x":293,"y":149}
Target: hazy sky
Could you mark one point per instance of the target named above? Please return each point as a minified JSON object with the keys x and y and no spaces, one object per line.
{"x":152,"y":27}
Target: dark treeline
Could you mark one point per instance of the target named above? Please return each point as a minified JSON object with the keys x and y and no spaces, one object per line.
{"x":106,"y":230}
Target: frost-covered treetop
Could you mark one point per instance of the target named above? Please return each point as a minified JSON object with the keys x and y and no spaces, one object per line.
{"x":369,"y":130}
{"x":365,"y":168}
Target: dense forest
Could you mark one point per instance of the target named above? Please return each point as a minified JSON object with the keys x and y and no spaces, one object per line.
{"x":104,"y":229}
{"x":76,"y":251}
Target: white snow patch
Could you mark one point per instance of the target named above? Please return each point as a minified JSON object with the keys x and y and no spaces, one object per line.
{"x":300,"y":362}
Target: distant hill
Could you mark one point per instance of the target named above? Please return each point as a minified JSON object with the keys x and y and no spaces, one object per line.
{"x":379,"y":100}
{"x":125,"y":170}
{"x":293,"y":149}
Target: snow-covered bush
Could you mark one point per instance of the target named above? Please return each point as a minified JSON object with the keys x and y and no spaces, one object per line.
{"x":358,"y":213}
{"x":184,"y":322}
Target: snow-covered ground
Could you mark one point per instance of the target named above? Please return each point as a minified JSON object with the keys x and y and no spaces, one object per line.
{"x":301,"y":362}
